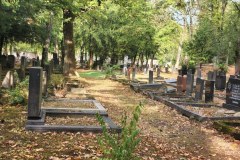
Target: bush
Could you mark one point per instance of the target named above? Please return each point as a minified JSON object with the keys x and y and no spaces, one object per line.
{"x":57,"y":81}
{"x":110,"y":70}
{"x":121,"y":146}
{"x":19,"y":94}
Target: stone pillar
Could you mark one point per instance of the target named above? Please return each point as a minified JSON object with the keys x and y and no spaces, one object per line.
{"x":150,"y":79}
{"x":209,"y":91}
{"x":35,"y":93}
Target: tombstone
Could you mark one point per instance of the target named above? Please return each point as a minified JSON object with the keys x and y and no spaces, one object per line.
{"x":34,"y":63}
{"x":48,"y":72}
{"x":220,"y":81}
{"x":210,"y":75}
{"x":179,"y":83}
{"x":8,"y":81}
{"x":209,"y":90}
{"x":199,"y":89}
{"x":190,"y":81}
{"x":184,"y":83}
{"x":55,"y":59}
{"x":233,"y":92}
{"x":158,"y":72}
{"x":44,"y":84}
{"x":199,"y":73}
{"x":23,"y":63}
{"x":150,"y":77}
{"x":35,"y":93}
{"x":133,"y":73}
{"x":3,"y":61}
{"x":11,"y":61}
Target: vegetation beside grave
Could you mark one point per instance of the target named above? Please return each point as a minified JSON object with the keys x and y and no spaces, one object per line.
{"x":121,"y":146}
{"x":92,"y":74}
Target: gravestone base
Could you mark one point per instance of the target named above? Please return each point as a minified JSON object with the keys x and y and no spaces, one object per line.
{"x":231,"y":107}
{"x":39,"y":125}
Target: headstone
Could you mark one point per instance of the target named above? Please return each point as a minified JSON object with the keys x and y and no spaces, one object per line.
{"x":199,"y":73}
{"x":233,"y":92}
{"x":158,"y":72}
{"x":35,"y":93}
{"x":23,"y":62}
{"x":209,"y":91}
{"x":11,"y":61}
{"x":220,"y":81}
{"x":44,"y":84}
{"x":210,"y":75}
{"x":48,"y":72}
{"x":184,"y":83}
{"x":3,"y":61}
{"x":133,"y":73}
{"x":190,"y":81}
{"x":199,"y":89}
{"x":55,"y":59}
{"x":179,"y":83}
{"x":34,"y":63}
{"x":150,"y":78}
{"x":8,"y":80}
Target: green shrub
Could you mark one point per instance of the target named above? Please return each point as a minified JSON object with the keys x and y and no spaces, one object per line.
{"x":110,"y":70}
{"x":121,"y":146}
{"x":57,"y":81}
{"x":19,"y":94}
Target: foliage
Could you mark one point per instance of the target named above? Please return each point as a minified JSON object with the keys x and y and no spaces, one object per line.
{"x":57,"y":80}
{"x":121,"y":146}
{"x":222,"y":67}
{"x":92,"y":74}
{"x":110,"y":70}
{"x":19,"y":94}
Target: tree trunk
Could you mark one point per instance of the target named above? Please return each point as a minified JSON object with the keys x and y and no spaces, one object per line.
{"x":90,"y":58}
{"x":237,"y":59}
{"x":63,"y":53}
{"x":179,"y":53}
{"x":69,"y":50}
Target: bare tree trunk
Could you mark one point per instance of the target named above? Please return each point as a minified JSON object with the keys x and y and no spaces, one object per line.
{"x":237,"y":60}
{"x":63,"y":53}
{"x":69,"y":50}
{"x":179,"y":53}
{"x":90,"y":58}
{"x":1,"y":44}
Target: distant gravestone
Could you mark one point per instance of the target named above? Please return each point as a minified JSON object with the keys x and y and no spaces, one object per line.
{"x":23,"y":62}
{"x":35,"y":93}
{"x":34,"y":63}
{"x":133,"y":73}
{"x":48,"y":72}
{"x":11,"y":61}
{"x":179,"y":83}
{"x":233,"y":92}
{"x":209,"y":91}
{"x":3,"y":61}
{"x":158,"y":72}
{"x":184,"y":83}
{"x":220,"y":81}
{"x":190,"y":81}
{"x":55,"y":59}
{"x":150,"y":78}
{"x":210,"y":75}
{"x":199,"y":89}
{"x":199,"y":73}
{"x":8,"y":81}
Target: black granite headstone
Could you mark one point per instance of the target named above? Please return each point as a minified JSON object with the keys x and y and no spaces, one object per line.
{"x":209,"y":91}
{"x":190,"y":81}
{"x":150,"y":79}
{"x":34,"y":63}
{"x":11,"y":61}
{"x":35,"y":93}
{"x":199,"y":89}
{"x":3,"y":61}
{"x":233,"y":92}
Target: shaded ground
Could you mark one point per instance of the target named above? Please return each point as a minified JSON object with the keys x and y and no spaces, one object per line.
{"x":165,"y":134}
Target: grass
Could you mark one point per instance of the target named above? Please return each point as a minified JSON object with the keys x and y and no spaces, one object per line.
{"x":93,"y":74}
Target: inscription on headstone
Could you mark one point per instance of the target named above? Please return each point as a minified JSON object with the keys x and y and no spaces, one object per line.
{"x":199,"y":89}
{"x":35,"y":93}
{"x":233,"y":92}
{"x":209,"y":91}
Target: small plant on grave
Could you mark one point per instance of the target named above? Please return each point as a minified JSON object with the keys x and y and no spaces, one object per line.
{"x":19,"y":94}
{"x":57,"y":81}
{"x":192,"y":66}
{"x":110,"y":70}
{"x":222,"y":67}
{"x":121,"y":146}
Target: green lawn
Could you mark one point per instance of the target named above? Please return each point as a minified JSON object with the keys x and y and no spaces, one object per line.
{"x":93,"y":74}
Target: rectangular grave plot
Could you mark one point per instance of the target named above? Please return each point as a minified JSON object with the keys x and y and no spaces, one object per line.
{"x":72,"y":120}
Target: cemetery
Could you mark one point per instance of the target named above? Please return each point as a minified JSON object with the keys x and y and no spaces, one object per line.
{"x":120,"y":80}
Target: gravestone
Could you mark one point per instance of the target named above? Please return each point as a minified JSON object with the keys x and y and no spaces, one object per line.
{"x":199,"y":89}
{"x":23,"y":62}
{"x":55,"y":59}
{"x":133,"y":73}
{"x":199,"y":73}
{"x":35,"y":93}
{"x":190,"y":81}
{"x":210,"y":75}
{"x":150,"y":78}
{"x":184,"y":83}
{"x":21,"y":73}
{"x":34,"y":63}
{"x":8,"y":81}
{"x":11,"y":61}
{"x":158,"y":72}
{"x":220,"y":81}
{"x":3,"y":61}
{"x":48,"y":72}
{"x":233,"y":92}
{"x":179,"y":83}
{"x":209,"y":90}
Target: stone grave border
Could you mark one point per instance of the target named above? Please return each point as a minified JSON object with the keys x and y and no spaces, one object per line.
{"x":191,"y":114}
{"x":39,"y":124}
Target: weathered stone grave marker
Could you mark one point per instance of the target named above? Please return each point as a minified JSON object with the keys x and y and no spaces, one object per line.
{"x":220,"y":81}
{"x":35,"y":93}
{"x":179,"y":83}
{"x":190,"y":81}
{"x":158,"y":72}
{"x":233,"y":93}
{"x":150,"y":78}
{"x":199,"y":89}
{"x":209,"y":90}
{"x":210,"y":76}
{"x":55,"y":59}
{"x":199,"y":72}
{"x":11,"y":61}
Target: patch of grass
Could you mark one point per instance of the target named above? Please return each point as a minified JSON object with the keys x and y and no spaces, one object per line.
{"x":93,"y":74}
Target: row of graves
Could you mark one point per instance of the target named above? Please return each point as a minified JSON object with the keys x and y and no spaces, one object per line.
{"x":63,"y":114}
{"x":203,"y":99}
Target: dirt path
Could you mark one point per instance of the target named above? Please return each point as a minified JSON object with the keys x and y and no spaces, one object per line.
{"x":165,"y":133}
